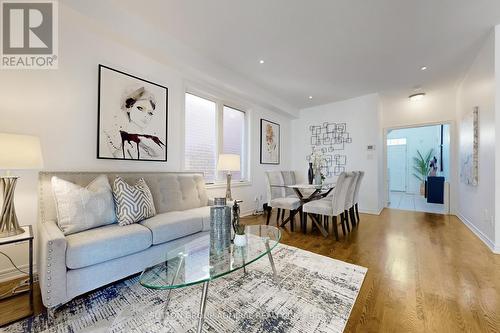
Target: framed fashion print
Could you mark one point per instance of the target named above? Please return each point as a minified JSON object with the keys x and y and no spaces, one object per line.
{"x":132,"y":117}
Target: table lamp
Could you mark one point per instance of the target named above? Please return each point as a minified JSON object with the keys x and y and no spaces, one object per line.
{"x":17,"y":152}
{"x":228,"y":163}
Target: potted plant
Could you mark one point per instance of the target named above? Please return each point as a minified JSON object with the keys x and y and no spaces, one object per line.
{"x":239,"y":237}
{"x":422,"y":168}
{"x":239,"y":229}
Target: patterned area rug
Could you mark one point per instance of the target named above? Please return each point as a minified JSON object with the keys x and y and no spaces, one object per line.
{"x":317,"y":295}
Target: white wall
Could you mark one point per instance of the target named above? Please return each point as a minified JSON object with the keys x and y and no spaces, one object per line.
{"x":439,"y":105}
{"x":476,"y":204}
{"x":60,"y":106}
{"x":497,"y":139}
{"x":362,"y":116}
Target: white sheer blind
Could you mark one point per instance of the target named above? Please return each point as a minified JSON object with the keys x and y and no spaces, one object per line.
{"x":201,"y":136}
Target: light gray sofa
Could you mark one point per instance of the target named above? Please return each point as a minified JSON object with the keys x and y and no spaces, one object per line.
{"x":72,"y":265}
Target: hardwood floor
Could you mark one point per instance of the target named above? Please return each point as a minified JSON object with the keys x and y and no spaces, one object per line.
{"x":426,"y":273}
{"x":13,"y":308}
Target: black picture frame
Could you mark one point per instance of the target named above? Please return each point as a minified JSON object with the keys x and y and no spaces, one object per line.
{"x":100,"y":111}
{"x":262,"y":122}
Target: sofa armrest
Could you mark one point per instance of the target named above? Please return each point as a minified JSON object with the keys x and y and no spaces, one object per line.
{"x":51,"y":264}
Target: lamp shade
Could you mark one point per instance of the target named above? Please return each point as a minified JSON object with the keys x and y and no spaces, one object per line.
{"x":229,"y":162}
{"x":20,"y":152}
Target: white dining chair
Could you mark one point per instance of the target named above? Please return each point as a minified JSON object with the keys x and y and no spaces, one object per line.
{"x":331,"y":206}
{"x":277,"y":198}
{"x":361,"y":174}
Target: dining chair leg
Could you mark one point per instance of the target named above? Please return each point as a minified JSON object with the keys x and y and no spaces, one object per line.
{"x":304,"y":225}
{"x":357,"y":212}
{"x":301,"y":219}
{"x":283,"y":215}
{"x":346,"y":220}
{"x":269,"y":211}
{"x":292,"y":219}
{"x":335,"y":228}
{"x":352,"y":214}
{"x":278,"y":216}
{"x":342,"y":222}
{"x":326,"y":221}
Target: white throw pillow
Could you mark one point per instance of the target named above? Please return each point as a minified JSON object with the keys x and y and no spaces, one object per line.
{"x":134,"y":203}
{"x":81,"y":208}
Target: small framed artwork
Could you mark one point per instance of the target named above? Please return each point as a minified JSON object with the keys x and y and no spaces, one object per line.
{"x":132,"y":117}
{"x":269,"y":142}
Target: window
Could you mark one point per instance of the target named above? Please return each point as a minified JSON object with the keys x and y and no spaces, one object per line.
{"x":201,"y":138}
{"x":396,"y":142}
{"x":211,"y":127}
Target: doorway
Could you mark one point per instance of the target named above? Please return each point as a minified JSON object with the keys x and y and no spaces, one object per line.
{"x":418,"y":168}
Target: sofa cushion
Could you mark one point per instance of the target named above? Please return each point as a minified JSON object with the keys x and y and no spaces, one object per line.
{"x":133,"y":203}
{"x":204,"y":214}
{"x":172,"y":225}
{"x":112,"y":241}
{"x":81,"y":208}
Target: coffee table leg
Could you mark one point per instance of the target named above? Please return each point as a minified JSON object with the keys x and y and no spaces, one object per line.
{"x":203,"y":305}
{"x":167,"y":301}
{"x":271,"y":260}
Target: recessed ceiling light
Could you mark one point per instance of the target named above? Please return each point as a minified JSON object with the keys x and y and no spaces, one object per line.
{"x":310,"y":97}
{"x":423,"y":68}
{"x":261,"y":61}
{"x":416,"y":97}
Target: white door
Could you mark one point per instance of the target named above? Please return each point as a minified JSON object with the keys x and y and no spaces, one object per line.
{"x":396,"y":163}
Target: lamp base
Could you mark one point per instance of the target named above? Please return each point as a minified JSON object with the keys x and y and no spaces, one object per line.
{"x":11,"y":233}
{"x":8,"y":219}
{"x":228,"y":187}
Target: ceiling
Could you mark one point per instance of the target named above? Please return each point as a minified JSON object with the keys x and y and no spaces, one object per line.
{"x":330,"y":49}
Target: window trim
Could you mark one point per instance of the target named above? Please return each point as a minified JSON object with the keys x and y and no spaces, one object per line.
{"x":220,"y":103}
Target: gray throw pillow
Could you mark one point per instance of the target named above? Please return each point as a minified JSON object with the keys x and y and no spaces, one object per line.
{"x":134,"y":203}
{"x":81,"y":208}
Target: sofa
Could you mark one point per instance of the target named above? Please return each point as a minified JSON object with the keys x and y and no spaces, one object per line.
{"x":69,"y":266}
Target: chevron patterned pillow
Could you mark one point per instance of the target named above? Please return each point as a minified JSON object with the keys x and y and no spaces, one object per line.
{"x":133,"y":203}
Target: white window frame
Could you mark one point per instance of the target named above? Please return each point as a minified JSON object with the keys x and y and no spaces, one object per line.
{"x":219,"y":106}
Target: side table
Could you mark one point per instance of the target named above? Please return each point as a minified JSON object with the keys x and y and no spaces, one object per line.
{"x":27,"y":235}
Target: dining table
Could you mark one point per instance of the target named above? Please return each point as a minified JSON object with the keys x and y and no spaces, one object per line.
{"x":306,"y":193}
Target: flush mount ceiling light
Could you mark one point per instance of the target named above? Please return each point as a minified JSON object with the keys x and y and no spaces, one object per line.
{"x":261,"y":61}
{"x":423,"y":68}
{"x":310,"y":97}
{"x":416,"y":97}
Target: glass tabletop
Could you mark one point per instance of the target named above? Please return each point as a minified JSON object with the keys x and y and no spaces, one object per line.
{"x":312,"y":186}
{"x":199,"y":261}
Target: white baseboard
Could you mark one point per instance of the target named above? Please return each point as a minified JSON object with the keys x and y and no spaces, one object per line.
{"x":371,"y":211}
{"x":489,"y":243}
{"x":11,"y":273}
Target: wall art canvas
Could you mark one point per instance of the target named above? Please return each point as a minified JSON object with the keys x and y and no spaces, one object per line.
{"x":269,"y":142}
{"x":469,"y":147}
{"x":132,"y":117}
{"x":329,"y":140}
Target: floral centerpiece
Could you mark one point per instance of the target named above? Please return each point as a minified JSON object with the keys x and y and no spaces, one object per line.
{"x":318,"y":161}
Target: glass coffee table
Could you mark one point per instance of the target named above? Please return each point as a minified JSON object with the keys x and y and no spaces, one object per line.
{"x":199,"y":262}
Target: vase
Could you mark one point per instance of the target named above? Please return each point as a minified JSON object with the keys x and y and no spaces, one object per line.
{"x":220,"y":225}
{"x":240,"y":240}
{"x":310,"y":174}
{"x":317,"y":178}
